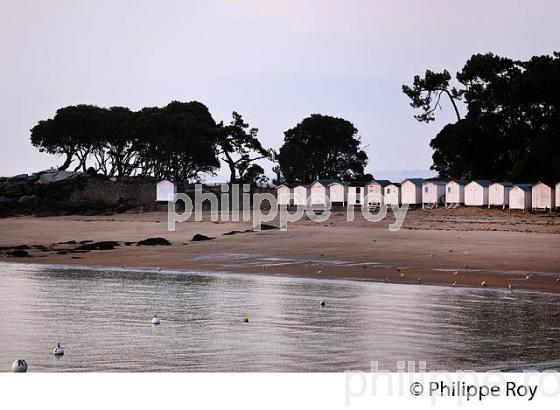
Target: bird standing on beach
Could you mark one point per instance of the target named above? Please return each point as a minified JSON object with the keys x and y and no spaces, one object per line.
{"x":58,"y":350}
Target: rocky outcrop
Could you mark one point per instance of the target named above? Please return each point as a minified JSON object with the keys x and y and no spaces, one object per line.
{"x":55,"y":192}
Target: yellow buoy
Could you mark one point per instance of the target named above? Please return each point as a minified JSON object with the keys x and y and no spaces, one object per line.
{"x":245,"y":319}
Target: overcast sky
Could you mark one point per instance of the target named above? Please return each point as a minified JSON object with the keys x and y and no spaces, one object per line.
{"x":275,"y":62}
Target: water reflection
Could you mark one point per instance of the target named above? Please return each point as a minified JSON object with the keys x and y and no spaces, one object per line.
{"x":102,"y":317}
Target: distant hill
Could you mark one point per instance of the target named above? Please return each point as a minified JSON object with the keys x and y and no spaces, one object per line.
{"x":397,"y":176}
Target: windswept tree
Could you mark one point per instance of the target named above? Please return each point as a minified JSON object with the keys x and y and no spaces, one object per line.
{"x":426,"y":92}
{"x":72,"y":132}
{"x":239,"y":147}
{"x":322,"y":147}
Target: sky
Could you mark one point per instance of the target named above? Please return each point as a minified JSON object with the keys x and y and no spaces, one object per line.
{"x":275,"y":62}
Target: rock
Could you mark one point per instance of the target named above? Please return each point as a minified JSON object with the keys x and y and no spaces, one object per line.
{"x":55,"y":177}
{"x":154,"y":242}
{"x":19,"y":253}
{"x":200,"y":237}
{"x":266,"y":227}
{"x":85,"y":241}
{"x":68,"y":243}
{"x":27,"y":200}
{"x":5,"y":201}
{"x":231,"y":233}
{"x":98,"y":246}
{"x":22,"y":247}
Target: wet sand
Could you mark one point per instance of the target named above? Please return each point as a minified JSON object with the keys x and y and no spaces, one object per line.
{"x":438,"y":247}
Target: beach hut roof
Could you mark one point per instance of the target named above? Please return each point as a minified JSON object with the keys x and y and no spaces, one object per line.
{"x":460,"y":181}
{"x":287,"y":185}
{"x":482,"y":182}
{"x":540,"y":182}
{"x":324,"y":182}
{"x":504,"y":183}
{"x":524,"y":187}
{"x":345,"y":183}
{"x":382,"y":182}
{"x":394,"y":184}
{"x":415,"y":181}
{"x":435,"y":182}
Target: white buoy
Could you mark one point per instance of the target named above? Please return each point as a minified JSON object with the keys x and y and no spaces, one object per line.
{"x":19,"y":366}
{"x":58,"y":350}
{"x":156,"y":320}
{"x":322,"y":303}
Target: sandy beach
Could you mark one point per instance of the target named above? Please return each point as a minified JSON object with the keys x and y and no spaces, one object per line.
{"x":463,"y":247}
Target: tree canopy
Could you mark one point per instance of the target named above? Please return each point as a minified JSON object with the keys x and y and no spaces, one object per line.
{"x":180,"y":141}
{"x":512,"y":126}
{"x":321,"y":147}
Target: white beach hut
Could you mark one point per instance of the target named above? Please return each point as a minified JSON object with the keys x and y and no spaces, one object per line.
{"x":165,"y":189}
{"x":355,"y":195}
{"x":498,"y":194}
{"x":557,"y":201}
{"x":283,"y":194}
{"x":338,"y":192}
{"x":300,"y":195}
{"x":433,"y":193}
{"x":411,"y":191}
{"x":520,"y":197}
{"x":319,"y":192}
{"x":374,"y":191}
{"x":392,"y":194}
{"x":543,"y":196}
{"x":455,"y":193}
{"x":476,"y":193}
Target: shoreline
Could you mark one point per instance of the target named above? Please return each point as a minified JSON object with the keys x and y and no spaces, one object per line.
{"x":420,"y":253}
{"x":281,"y":276}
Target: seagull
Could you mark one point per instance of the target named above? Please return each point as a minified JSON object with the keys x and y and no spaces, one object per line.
{"x":483,"y":283}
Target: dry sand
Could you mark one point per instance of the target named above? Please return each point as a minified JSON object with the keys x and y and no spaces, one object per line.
{"x":465,"y":246}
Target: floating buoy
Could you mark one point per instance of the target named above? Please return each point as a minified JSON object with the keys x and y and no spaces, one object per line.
{"x":19,"y":366}
{"x":156,"y":320}
{"x":483,"y":283}
{"x":245,"y":319}
{"x":58,"y":350}
{"x":322,"y":303}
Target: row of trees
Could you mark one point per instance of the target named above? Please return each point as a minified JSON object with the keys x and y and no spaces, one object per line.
{"x":181,"y":141}
{"x":511,"y":129}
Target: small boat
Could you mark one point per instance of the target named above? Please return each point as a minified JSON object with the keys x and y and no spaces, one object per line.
{"x":19,"y":366}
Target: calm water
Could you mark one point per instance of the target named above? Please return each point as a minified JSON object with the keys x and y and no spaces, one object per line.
{"x":102,"y":317}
